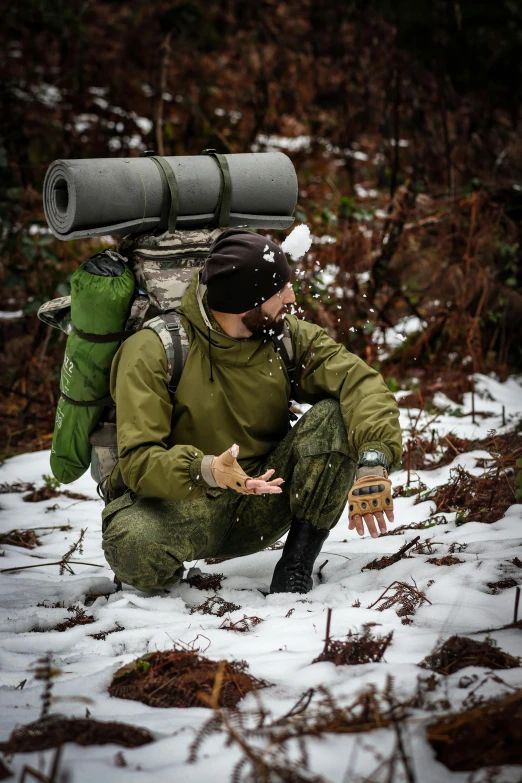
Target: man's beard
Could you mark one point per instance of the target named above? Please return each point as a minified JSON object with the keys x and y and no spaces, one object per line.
{"x":261,"y":324}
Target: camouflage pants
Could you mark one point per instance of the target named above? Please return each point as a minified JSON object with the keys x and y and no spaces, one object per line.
{"x":146,"y":540}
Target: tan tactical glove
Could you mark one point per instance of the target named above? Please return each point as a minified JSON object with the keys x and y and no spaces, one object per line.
{"x":228,"y":473}
{"x":370,"y":493}
{"x":369,"y":497}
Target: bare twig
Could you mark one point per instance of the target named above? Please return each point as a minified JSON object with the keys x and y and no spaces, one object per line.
{"x":57,"y":562}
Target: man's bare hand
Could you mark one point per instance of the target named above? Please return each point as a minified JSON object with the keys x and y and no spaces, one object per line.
{"x":373,"y":521}
{"x":262,"y":485}
{"x":228,"y":473}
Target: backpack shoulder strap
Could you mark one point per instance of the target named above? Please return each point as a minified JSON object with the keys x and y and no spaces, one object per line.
{"x":175,"y":341}
{"x":283,"y":345}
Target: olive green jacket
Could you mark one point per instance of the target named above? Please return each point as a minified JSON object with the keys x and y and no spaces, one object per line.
{"x":161,"y":444}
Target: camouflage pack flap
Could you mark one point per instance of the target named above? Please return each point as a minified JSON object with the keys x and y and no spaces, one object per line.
{"x":57,"y":313}
{"x":164,"y":265}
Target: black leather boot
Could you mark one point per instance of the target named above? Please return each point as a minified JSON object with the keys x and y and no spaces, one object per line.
{"x":293,"y":573}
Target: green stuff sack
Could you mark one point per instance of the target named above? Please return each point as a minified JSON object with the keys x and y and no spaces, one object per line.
{"x":101,"y":293}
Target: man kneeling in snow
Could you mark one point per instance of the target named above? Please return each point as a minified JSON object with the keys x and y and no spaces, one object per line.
{"x":176,"y":503}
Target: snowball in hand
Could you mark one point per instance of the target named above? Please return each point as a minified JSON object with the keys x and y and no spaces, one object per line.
{"x":298,"y":242}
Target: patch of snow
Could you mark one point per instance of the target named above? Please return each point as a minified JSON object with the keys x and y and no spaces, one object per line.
{"x":280,"y":649}
{"x":48,"y":94}
{"x":363,"y":277}
{"x":35,"y":229}
{"x":99,"y":91}
{"x":274,"y":143}
{"x":101,"y":102}
{"x":366,"y":193}
{"x":328,"y":275}
{"x":144,"y":124}
{"x":325,"y":239}
{"x":356,"y":154}
{"x":85,"y":121}
{"x":397,"y":334}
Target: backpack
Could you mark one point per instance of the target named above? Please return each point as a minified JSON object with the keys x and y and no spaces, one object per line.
{"x":163,"y":267}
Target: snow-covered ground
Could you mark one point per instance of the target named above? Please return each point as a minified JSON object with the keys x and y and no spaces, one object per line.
{"x":280,"y":649}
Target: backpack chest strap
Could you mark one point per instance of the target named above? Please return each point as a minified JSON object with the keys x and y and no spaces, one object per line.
{"x":174,"y":339}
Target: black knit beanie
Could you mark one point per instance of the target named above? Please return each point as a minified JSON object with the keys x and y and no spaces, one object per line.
{"x":243,"y":270}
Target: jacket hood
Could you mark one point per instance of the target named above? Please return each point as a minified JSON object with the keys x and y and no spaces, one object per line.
{"x":225,"y":350}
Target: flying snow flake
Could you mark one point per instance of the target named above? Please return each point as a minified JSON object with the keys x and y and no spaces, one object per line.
{"x":298,"y":242}
{"x":269,"y":257}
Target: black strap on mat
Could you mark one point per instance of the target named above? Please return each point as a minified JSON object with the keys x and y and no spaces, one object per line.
{"x":170,"y":198}
{"x":224,"y":204}
{"x":102,"y":402}
{"x":111,"y":337}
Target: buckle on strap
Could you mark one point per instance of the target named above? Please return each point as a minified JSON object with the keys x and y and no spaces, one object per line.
{"x":172,"y":326}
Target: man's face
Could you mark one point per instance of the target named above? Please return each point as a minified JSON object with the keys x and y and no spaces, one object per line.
{"x":267,"y":319}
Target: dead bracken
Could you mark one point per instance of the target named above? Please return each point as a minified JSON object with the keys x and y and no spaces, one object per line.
{"x":244,"y":625}
{"x":17,"y":486}
{"x":27,"y":539}
{"x":457,"y":652}
{"x":54,"y":730}
{"x":362,"y":647}
{"x":47,"y":493}
{"x":102,"y":635}
{"x":407,"y":597}
{"x":502,"y":584}
{"x":216,"y":606}
{"x":80,"y":618}
{"x":181,"y":678}
{"x":205,"y":581}
{"x":485,"y":736}
{"x":447,"y":560}
{"x":388,"y":560}
{"x":483,"y":498}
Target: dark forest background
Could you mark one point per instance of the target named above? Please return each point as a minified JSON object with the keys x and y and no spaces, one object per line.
{"x":402,"y":118}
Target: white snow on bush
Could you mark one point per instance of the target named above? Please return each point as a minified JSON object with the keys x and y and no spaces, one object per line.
{"x":298,"y":242}
{"x":281,"y":648}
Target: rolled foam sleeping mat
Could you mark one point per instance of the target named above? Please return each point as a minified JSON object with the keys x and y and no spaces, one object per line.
{"x":86,"y":198}
{"x":101,"y":293}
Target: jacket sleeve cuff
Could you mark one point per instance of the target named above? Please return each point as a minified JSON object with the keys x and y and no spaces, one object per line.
{"x":195,"y":473}
{"x":200,"y":471}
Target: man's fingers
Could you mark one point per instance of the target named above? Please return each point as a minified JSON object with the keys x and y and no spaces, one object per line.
{"x":260,"y":482}
{"x":390,"y":515}
{"x":379,"y":516}
{"x":357,"y":523}
{"x":371,"y":521}
{"x":267,"y":489}
{"x":267,"y":475}
{"x":370,"y":524}
{"x":261,"y":487}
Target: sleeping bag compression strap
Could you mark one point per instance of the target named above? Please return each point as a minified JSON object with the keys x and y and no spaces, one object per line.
{"x":112,"y":337}
{"x":222,"y":212}
{"x":102,"y":402}
{"x":170,"y":199}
